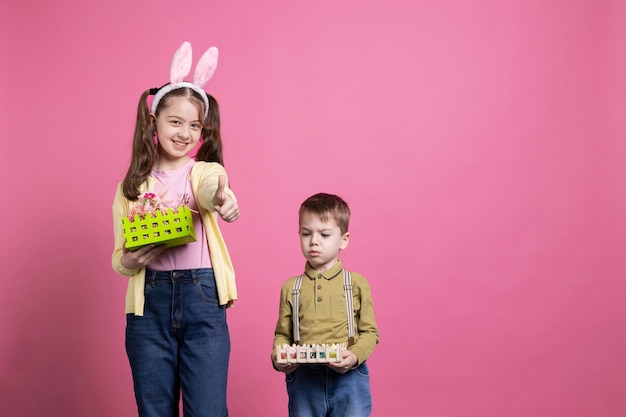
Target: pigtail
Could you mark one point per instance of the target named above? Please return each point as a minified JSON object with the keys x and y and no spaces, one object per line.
{"x":143,"y":153}
{"x":211,"y":148}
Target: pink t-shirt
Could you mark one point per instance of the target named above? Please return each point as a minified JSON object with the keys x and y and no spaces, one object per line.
{"x":174,"y":188}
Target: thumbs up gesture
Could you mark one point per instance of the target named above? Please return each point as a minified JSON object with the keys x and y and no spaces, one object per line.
{"x":223,"y":203}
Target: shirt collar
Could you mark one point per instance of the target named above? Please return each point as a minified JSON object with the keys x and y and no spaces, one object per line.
{"x":328,"y":275}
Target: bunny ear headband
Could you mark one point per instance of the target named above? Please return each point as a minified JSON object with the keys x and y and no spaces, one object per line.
{"x":180,"y":68}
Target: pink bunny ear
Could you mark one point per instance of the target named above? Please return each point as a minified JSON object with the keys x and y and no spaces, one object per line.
{"x":206,"y":66}
{"x":181,"y":63}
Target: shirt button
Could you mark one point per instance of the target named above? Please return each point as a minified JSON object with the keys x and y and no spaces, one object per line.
{"x":320,"y":276}
{"x":319,"y":299}
{"x":319,"y":287}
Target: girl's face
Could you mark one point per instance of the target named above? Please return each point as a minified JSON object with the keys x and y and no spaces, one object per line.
{"x":178,"y":128}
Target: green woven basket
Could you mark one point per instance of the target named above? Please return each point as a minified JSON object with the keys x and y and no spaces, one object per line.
{"x":171,"y":229}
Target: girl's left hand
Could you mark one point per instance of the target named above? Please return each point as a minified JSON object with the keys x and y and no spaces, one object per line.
{"x":224,"y":204}
{"x":348,"y":361}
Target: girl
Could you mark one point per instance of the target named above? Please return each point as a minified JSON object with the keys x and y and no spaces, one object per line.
{"x":177,"y":337}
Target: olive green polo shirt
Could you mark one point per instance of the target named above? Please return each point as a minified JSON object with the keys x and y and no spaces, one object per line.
{"x":322,"y":311}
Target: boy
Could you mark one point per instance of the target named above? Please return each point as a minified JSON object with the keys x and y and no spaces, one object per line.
{"x":330,"y":389}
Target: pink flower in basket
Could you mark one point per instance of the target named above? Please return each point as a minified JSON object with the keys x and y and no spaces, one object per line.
{"x":147,"y":203}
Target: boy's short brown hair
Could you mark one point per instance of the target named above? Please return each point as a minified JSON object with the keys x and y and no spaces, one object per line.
{"x":328,"y":205}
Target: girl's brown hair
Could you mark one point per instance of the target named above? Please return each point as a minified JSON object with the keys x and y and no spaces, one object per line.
{"x":144,"y":152}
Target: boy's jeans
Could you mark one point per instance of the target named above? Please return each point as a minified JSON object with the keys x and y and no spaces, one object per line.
{"x":181,"y":342}
{"x":318,"y":391}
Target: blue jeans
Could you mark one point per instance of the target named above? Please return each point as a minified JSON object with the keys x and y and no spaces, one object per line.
{"x":181,"y":343}
{"x":318,"y":391}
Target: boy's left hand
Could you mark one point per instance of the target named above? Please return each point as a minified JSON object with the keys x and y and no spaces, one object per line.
{"x":348,"y":361}
{"x":225,"y":206}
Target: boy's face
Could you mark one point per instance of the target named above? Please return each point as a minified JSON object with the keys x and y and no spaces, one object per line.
{"x":321,"y":241}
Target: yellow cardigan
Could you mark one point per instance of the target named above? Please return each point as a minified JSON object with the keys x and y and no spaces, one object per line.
{"x":204,"y":177}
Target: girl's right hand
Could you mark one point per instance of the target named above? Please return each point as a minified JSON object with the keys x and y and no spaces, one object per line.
{"x":141,"y":257}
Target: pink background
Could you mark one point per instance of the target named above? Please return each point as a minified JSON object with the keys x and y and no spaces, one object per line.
{"x":480,"y":144}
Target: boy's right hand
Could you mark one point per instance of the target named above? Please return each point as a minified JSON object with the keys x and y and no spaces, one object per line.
{"x":284,"y":367}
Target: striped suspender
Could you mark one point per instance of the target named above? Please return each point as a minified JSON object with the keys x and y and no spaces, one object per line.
{"x":295,"y":309}
{"x":347,"y":287}
{"x":295,"y":313}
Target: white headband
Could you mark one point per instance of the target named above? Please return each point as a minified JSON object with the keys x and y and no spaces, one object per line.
{"x":180,"y":68}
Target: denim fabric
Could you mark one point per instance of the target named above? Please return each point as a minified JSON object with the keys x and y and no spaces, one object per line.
{"x":181,"y":343}
{"x":318,"y":391}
